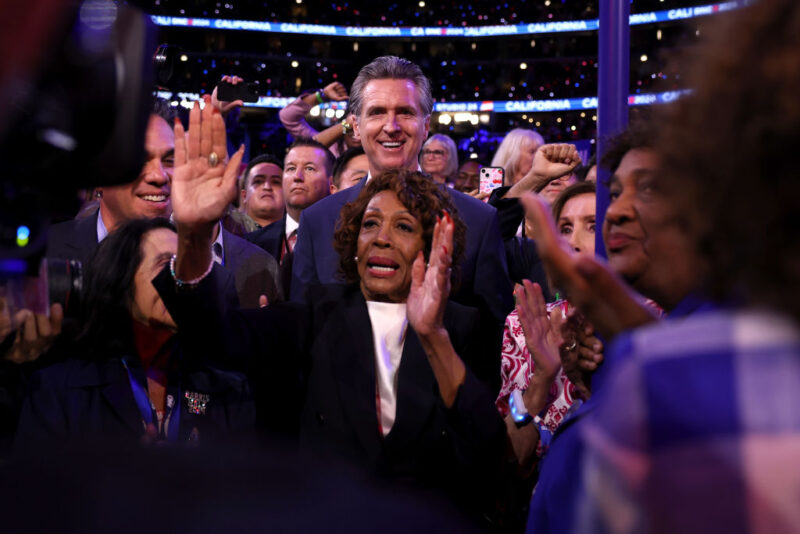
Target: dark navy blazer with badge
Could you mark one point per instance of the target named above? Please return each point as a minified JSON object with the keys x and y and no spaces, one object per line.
{"x":87,"y":399}
{"x":328,"y":339}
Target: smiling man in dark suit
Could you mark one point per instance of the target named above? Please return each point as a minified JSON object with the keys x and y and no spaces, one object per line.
{"x":147,"y":196}
{"x":392,"y":103}
{"x":255,"y":271}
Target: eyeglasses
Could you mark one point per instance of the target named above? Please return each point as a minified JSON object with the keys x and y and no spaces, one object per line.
{"x":437,"y":153}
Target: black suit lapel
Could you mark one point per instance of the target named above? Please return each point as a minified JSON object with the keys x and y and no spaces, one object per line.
{"x":415,"y":392}
{"x":230,"y":251}
{"x":354,"y":369}
{"x":84,"y":238}
{"x":120,"y":398}
{"x":270,"y":237}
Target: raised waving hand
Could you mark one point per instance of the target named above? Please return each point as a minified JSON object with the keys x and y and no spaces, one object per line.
{"x":204,"y":181}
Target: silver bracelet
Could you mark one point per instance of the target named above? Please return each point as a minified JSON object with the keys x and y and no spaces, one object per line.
{"x":187,"y":283}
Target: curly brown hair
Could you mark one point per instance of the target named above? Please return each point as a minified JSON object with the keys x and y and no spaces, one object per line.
{"x":727,"y":154}
{"x":424,"y":198}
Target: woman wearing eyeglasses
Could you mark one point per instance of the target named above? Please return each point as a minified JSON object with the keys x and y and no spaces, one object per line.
{"x":439,"y":158}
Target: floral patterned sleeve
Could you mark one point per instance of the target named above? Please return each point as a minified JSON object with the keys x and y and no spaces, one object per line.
{"x":515,"y":370}
{"x":514,"y":362}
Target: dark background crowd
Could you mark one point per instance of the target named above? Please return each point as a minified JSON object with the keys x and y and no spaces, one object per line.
{"x":461,"y":69}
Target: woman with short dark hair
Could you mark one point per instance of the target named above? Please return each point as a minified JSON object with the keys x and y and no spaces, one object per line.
{"x":385,"y":359}
{"x":423,"y":197}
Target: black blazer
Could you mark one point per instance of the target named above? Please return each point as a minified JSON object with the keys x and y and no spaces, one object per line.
{"x":83,"y":400}
{"x":255,"y":272}
{"x":510,"y":212}
{"x":272,"y":238}
{"x":328,"y":340}
{"x":73,"y":240}
{"x":455,"y":452}
{"x":522,"y":255}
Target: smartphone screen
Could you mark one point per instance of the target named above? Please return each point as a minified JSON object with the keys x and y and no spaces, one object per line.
{"x":227,"y":92}
{"x":491,"y":178}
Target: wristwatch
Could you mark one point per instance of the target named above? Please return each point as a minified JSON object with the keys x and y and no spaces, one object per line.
{"x":346,"y":127}
{"x":519,"y":413}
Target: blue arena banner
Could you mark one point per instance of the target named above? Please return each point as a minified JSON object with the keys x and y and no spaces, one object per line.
{"x":487,"y":106}
{"x":544,"y":106}
{"x":534,"y":28}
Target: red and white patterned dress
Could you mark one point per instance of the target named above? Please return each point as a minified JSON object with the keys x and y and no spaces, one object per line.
{"x":516,"y":369}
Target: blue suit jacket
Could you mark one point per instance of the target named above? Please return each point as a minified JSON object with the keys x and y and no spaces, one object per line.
{"x":484,"y":276}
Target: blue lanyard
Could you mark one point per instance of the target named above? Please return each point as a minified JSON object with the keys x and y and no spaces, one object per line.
{"x":171,"y":421}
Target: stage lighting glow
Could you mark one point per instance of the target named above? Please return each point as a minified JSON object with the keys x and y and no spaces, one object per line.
{"x":23,"y":235}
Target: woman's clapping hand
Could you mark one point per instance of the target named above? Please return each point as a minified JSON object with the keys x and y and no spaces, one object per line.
{"x":430,"y":285}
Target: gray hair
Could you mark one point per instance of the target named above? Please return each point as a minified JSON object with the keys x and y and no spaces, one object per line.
{"x":391,"y":68}
{"x":452,"y":152}
{"x":507,"y":155}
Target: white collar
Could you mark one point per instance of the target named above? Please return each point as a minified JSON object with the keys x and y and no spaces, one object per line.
{"x":291,"y":225}
{"x":369,"y":173}
{"x":219,"y":258}
{"x":102,"y":231}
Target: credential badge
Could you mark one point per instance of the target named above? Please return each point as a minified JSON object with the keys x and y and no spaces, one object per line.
{"x":196,"y":403}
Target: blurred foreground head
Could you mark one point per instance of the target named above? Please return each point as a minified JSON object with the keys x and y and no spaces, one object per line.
{"x":728,"y":155}
{"x":75,"y":82}
{"x":75,"y":90}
